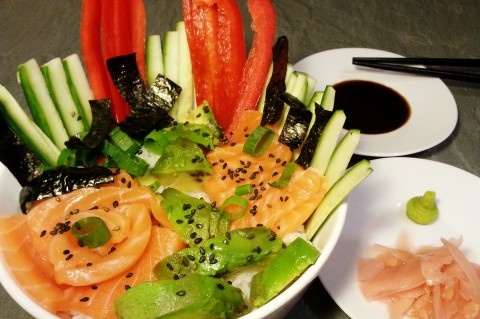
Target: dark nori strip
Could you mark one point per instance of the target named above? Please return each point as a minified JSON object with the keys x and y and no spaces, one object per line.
{"x":62,"y":180}
{"x":296,"y":124}
{"x":322,"y":116}
{"x":272,"y":111}
{"x":16,"y":156}
{"x":99,"y":128}
{"x":149,"y":106}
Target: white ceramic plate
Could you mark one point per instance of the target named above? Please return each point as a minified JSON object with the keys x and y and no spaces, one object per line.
{"x":433,"y":109}
{"x":376,"y":214}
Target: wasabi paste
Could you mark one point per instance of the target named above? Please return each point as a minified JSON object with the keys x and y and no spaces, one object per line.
{"x":423,"y":209}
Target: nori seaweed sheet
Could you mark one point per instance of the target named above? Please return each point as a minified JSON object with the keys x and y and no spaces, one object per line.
{"x":16,"y":156}
{"x":296,"y":124}
{"x":272,"y":111}
{"x":62,"y":180}
{"x":149,"y":106}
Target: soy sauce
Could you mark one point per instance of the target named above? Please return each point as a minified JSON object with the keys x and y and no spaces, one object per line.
{"x":371,"y":107}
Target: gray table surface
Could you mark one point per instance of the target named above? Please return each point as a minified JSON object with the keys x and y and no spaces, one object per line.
{"x":44,"y":29}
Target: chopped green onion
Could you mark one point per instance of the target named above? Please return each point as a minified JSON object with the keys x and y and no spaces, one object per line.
{"x":287,"y":173}
{"x":66,"y":158}
{"x":91,"y":232}
{"x":132,"y":164}
{"x":243,"y":189}
{"x":234,"y":207}
{"x":124,"y":141}
{"x":258,"y":141}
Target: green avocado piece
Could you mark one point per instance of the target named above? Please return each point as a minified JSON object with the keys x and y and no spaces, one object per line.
{"x":193,"y":218}
{"x":182,"y":155}
{"x":203,"y":114}
{"x":221,"y":254}
{"x":281,"y":271}
{"x":194,"y":296}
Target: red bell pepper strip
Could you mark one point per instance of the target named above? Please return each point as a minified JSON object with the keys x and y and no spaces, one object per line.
{"x":217,"y":49}
{"x":116,"y":41}
{"x":259,"y":58}
{"x":90,"y":40}
{"x":201,"y":25}
{"x":138,"y":26}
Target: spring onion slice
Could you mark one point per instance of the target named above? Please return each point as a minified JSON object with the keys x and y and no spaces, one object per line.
{"x":287,"y":174}
{"x":243,"y":189}
{"x":234,"y":207}
{"x":125,"y":142}
{"x":91,"y":232}
{"x":258,"y":141}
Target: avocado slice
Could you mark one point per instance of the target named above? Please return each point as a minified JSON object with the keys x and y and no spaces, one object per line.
{"x":194,"y":296}
{"x":221,"y":254}
{"x":281,"y":271}
{"x":193,"y":218}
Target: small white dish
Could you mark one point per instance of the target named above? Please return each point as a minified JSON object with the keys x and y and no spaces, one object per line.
{"x":376,"y":215}
{"x":434,"y":112}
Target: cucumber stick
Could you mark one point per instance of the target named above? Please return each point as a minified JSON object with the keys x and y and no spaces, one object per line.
{"x":341,"y":156}
{"x":336,"y":194}
{"x":185,"y":102}
{"x":57,"y":84}
{"x":328,"y":98}
{"x":154,"y":58}
{"x":171,"y":55}
{"x":79,"y":88}
{"x":41,"y":106}
{"x":27,"y":130}
{"x":328,"y":141}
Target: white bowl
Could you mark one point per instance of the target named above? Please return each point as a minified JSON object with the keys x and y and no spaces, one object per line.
{"x":276,"y":308}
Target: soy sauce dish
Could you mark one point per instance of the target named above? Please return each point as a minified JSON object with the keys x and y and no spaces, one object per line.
{"x":397,"y":114}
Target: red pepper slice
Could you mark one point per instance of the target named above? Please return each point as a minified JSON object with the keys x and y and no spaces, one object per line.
{"x":116,"y":41}
{"x":90,"y":40}
{"x":138,"y":27}
{"x":259,"y":57}
{"x":217,"y":49}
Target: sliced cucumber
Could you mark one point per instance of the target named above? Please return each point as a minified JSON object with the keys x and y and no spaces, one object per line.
{"x":23,"y":126}
{"x":328,"y":98}
{"x":41,"y":106}
{"x":315,"y":99}
{"x":79,"y":87}
{"x":300,"y":88}
{"x":328,"y":141}
{"x":171,"y":55}
{"x":341,"y":156}
{"x":57,"y":84}
{"x":311,"y":85}
{"x":336,"y":194}
{"x":154,"y":57}
{"x":185,"y":102}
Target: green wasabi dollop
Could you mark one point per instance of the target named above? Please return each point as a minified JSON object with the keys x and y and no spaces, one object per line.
{"x":423,"y":209}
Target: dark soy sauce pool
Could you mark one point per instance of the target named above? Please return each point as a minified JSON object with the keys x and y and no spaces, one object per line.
{"x":371,"y":107}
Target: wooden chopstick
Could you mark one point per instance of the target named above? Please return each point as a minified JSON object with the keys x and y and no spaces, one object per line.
{"x":395,"y":64}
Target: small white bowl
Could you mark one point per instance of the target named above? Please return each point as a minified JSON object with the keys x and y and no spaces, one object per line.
{"x":276,"y":308}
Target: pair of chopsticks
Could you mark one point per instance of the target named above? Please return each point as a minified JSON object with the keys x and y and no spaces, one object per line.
{"x":405,"y":65}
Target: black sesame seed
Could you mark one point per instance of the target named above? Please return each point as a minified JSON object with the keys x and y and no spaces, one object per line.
{"x":220,"y":286}
{"x":202,"y":250}
{"x":249,"y":258}
{"x":94,"y":287}
{"x":69,"y":257}
{"x":228,"y":235}
{"x":84,"y":299}
{"x":66,"y":252}
{"x":193,"y":235}
{"x":179,"y":221}
{"x":130,"y":274}
{"x":198,"y":240}
{"x":201,"y":259}
{"x":89,"y":264}
{"x":181,"y":293}
{"x":115,"y":203}
{"x":199,"y":226}
{"x":43,"y":233}
{"x":251,"y":236}
{"x":191,"y":257}
{"x":169,"y":266}
{"x":127,"y":287}
{"x":186,"y":206}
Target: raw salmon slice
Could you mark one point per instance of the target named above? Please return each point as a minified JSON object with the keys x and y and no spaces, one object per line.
{"x":283,"y":210}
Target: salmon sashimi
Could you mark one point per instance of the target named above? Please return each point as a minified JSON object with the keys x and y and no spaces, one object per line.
{"x":64,"y":277}
{"x":436,"y":282}
{"x":284,"y":210}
